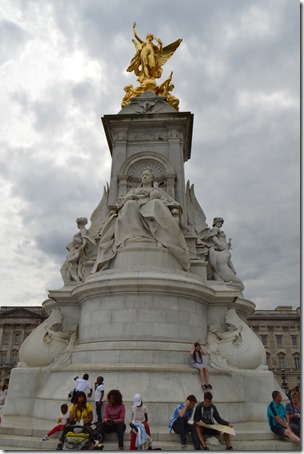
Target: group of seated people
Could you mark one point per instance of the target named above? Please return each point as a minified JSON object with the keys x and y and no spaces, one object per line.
{"x":184,"y":420}
{"x":188,"y":417}
{"x":113,"y":420}
{"x":285,"y":421}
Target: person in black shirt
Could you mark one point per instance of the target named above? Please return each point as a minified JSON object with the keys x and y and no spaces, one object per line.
{"x":208,"y":413}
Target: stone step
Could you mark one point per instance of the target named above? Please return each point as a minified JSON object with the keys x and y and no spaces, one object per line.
{"x":158,"y":433}
{"x":27,"y":443}
{"x":20,"y":433}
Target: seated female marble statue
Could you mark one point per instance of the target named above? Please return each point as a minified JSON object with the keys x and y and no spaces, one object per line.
{"x":143,"y":215}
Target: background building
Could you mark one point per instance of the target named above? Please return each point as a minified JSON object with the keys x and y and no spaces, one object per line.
{"x":279,"y":331}
{"x":16,"y":323}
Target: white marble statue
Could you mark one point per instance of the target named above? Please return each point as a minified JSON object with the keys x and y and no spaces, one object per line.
{"x":217,"y":251}
{"x":81,"y":250}
{"x":237,"y":347}
{"x":211,"y":243}
{"x":44,"y":344}
{"x":64,"y":357}
{"x":196,"y":218}
{"x":143,"y":215}
{"x":220,"y":257}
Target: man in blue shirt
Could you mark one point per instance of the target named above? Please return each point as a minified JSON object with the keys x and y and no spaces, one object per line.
{"x":179,"y":422}
{"x":276,"y":415}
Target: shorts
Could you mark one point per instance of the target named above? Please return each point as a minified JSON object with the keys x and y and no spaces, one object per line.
{"x":278,"y":429}
{"x":199,"y":365}
{"x":208,"y":431}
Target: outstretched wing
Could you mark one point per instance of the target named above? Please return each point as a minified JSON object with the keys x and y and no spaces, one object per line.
{"x":100,"y":214}
{"x":135,"y":62}
{"x":137,"y":45}
{"x":166,"y":83}
{"x":195,"y":216}
{"x":168,"y":51}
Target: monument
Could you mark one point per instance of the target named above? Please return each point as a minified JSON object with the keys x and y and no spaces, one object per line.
{"x":146,"y":278}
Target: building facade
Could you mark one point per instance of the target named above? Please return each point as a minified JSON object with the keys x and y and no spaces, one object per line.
{"x":280,"y":333}
{"x":16,"y":323}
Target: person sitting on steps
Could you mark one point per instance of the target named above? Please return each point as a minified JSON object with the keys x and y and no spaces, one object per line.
{"x":81,"y":413}
{"x":179,"y":422}
{"x":276,"y":415}
{"x":207,"y":412}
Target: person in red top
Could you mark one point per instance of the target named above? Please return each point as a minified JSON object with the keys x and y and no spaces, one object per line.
{"x":113,"y":417}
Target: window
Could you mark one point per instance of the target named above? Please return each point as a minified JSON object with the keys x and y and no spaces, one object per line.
{"x":281,"y":362}
{"x":279,"y":341}
{"x":294,"y":341}
{"x":2,"y":359}
{"x":297,"y":362}
{"x":14,"y":358}
{"x":17,"y":338}
{"x":268,"y":360}
{"x":264,"y":339}
{"x":6,"y":338}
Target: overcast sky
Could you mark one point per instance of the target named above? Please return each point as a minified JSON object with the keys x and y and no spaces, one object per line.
{"x":63,"y":66}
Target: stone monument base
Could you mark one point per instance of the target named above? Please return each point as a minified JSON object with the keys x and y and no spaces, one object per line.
{"x":240,"y":396}
{"x":137,"y":325}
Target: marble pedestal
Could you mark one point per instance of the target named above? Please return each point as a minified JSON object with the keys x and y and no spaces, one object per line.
{"x":137,"y":324}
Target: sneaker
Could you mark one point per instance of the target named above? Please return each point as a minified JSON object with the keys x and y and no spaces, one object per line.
{"x":206,"y":449}
{"x":59,"y":447}
{"x":230,"y":448}
{"x":209,"y":386}
{"x":183,"y":444}
{"x":45,"y":438}
{"x":205,"y":386}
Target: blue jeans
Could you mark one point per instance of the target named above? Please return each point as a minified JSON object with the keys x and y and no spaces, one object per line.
{"x":181,"y":427}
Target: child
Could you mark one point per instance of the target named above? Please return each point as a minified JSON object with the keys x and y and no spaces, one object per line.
{"x":61,"y":420}
{"x":139,"y":416}
{"x":82,"y":385}
{"x":99,"y":393}
{"x":197,"y":354}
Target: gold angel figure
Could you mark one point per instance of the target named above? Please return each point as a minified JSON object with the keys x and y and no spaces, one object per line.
{"x":149,"y":57}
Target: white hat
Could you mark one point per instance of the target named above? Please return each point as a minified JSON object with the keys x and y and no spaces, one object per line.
{"x":137,"y":400}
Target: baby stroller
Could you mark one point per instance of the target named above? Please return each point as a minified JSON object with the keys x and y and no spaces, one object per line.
{"x":143,"y":441}
{"x":78,"y":439}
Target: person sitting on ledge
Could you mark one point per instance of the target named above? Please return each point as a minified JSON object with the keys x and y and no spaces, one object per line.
{"x":197,"y":354}
{"x":276,"y":415}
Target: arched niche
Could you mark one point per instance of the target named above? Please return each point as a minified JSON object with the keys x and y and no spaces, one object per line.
{"x":130,"y":172}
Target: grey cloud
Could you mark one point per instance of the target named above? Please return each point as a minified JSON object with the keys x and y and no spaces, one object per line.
{"x":245,"y":161}
{"x":53,"y":242}
{"x":12,"y":40}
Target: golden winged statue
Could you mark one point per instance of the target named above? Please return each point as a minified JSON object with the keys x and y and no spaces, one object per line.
{"x":150,"y":57}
